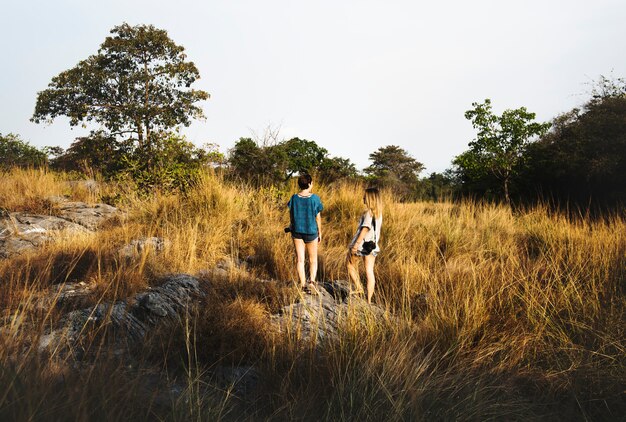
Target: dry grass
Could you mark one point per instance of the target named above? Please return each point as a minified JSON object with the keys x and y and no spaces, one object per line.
{"x":493,"y":315}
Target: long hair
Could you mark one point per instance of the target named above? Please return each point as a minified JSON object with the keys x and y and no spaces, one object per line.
{"x":374,"y":202}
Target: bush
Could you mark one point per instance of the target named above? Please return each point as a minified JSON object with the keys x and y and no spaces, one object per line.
{"x":15,"y":152}
{"x":168,"y":162}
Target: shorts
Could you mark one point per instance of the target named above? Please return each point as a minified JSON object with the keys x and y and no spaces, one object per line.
{"x":308,"y":238}
{"x":373,"y":253}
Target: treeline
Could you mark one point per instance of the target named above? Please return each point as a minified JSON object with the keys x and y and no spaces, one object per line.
{"x":579,"y":162}
{"x":138,"y":89}
{"x":172,"y":162}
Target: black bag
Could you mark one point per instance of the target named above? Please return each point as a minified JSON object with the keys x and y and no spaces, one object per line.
{"x":370,"y":245}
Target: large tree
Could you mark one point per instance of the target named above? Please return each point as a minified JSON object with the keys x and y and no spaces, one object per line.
{"x":303,"y":156}
{"x":394,"y":167}
{"x":500,"y":143}
{"x":138,"y":84}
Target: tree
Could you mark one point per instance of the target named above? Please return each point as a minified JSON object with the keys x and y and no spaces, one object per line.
{"x":500,"y":143}
{"x":258,"y":164}
{"x":137,"y":84}
{"x":393,"y":167}
{"x":437,"y":186}
{"x":303,"y":156}
{"x":582,"y":160}
{"x":176,"y":163}
{"x":336,"y":168}
{"x":15,"y":152}
{"x":98,"y":152}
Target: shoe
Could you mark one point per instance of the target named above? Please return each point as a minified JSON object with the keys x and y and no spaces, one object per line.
{"x":311,"y":288}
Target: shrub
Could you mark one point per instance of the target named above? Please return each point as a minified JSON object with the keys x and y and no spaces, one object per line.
{"x":15,"y":152}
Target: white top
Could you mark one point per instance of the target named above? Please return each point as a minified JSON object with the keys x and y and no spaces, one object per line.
{"x":366,"y":221}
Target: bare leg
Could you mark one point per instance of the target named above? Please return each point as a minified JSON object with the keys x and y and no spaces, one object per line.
{"x":299,"y":246}
{"x":369,"y":272}
{"x":311,"y":250}
{"x":353,"y":272}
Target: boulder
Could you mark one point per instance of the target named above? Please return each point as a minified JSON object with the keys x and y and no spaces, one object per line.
{"x":122,"y":324}
{"x":89,"y":216}
{"x":319,"y":315}
{"x":22,"y":231}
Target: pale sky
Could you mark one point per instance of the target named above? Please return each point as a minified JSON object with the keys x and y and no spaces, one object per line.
{"x":351,"y":75}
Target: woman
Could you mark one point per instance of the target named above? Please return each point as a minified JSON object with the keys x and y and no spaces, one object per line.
{"x":368,"y":231}
{"x":306,"y":230}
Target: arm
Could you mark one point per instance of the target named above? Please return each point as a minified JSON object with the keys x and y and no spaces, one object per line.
{"x":318,"y":220}
{"x":359,"y":239}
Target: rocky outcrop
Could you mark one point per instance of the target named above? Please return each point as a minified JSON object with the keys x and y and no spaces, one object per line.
{"x":88,"y":216}
{"x":122,"y":324}
{"x":319,"y":315}
{"x":20,"y":231}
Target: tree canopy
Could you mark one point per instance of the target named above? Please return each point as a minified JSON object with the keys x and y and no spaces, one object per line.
{"x":499,"y":144}
{"x":394,"y":167}
{"x":139,"y":82}
{"x":583,"y":159}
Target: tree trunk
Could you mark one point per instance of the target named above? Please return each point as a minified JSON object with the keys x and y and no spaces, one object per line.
{"x":506,"y":191}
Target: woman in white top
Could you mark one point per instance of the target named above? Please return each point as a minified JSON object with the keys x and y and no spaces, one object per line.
{"x":366,"y":242}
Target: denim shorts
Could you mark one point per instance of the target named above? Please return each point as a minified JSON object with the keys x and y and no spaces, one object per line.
{"x":308,"y":238}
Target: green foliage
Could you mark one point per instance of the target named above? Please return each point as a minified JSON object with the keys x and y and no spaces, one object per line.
{"x":15,"y":152}
{"x":583,"y":159}
{"x":96,"y":153}
{"x":257,"y":164}
{"x":170,"y":162}
{"x":437,"y":186}
{"x":303,"y":156}
{"x":499,"y":145}
{"x":275,"y":163}
{"x":138,"y":82}
{"x":337,"y":168}
{"x":394,"y":168}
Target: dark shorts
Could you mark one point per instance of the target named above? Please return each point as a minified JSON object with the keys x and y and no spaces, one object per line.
{"x":308,"y":238}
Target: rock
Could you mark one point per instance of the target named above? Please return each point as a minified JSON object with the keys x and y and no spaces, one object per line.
{"x":65,"y":294}
{"x":319,"y":314}
{"x":89,"y":216}
{"x":124,"y":322}
{"x":21,"y":231}
{"x":136,"y":247}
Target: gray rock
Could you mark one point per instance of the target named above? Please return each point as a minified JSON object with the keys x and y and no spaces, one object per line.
{"x":136,"y":247}
{"x":319,"y":315}
{"x":21,"y":231}
{"x":241,"y":380}
{"x":89,"y":216}
{"x":125,"y":323}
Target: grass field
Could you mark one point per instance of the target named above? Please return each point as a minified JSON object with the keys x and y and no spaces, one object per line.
{"x":491,"y":314}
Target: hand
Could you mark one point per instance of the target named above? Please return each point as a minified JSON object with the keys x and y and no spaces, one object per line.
{"x":354,"y":250}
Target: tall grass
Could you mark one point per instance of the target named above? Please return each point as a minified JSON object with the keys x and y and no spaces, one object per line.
{"x":491,"y":314}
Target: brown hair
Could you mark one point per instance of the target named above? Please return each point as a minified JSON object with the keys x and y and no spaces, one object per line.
{"x":304,"y":181}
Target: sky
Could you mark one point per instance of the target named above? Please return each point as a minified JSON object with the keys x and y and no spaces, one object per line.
{"x":351,"y":75}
